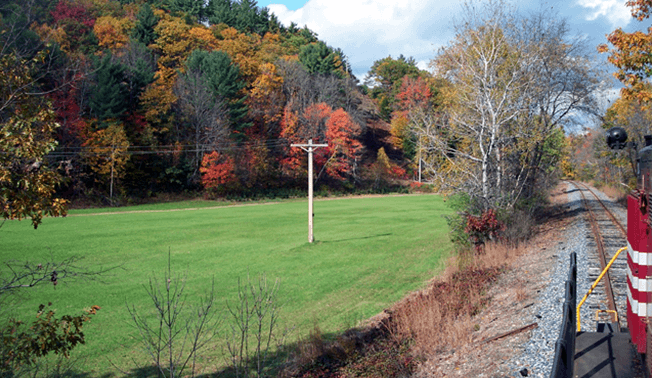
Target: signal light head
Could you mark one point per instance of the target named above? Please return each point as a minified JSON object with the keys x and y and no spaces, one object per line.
{"x":616,"y":138}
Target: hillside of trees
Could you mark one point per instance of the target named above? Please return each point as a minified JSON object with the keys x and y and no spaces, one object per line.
{"x":178,"y":95}
{"x":184,"y":96}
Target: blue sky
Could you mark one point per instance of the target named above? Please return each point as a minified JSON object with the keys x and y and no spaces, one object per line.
{"x":369,"y":30}
{"x":290,"y":4}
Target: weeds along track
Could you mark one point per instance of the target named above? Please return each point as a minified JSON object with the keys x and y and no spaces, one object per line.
{"x":607,"y":235}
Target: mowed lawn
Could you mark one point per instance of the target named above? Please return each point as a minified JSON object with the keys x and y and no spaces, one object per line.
{"x":368,"y":253}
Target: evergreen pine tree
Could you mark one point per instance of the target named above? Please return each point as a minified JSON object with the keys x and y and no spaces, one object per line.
{"x":144,"y":30}
{"x":194,"y":8}
{"x":109,"y":94}
{"x":224,"y":79}
{"x":138,"y":73}
{"x":318,"y":58}
{"x":248,"y":17}
{"x":220,"y":12}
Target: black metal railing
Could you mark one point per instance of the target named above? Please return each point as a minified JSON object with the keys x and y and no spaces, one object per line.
{"x":562,"y":365}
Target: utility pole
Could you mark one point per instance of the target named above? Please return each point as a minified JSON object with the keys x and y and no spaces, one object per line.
{"x":112,"y":165}
{"x":309,"y":148}
{"x":419,"y":160}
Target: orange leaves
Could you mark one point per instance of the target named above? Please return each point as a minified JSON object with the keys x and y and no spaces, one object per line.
{"x":313,"y":119}
{"x":289,"y":123}
{"x":111,"y":32}
{"x":93,"y":310}
{"x":640,"y":8}
{"x":413,"y":93}
{"x":218,"y":170}
{"x":204,"y":38}
{"x":319,"y":122}
{"x":340,"y":134}
{"x":632,"y":54}
{"x":289,"y":126}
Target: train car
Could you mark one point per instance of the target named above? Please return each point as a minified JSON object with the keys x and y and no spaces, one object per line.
{"x":639,"y":243}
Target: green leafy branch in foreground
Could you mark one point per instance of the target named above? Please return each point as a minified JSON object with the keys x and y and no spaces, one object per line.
{"x":22,"y":345}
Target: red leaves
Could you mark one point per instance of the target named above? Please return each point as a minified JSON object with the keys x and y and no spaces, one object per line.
{"x":413,"y":93}
{"x":68,"y":115}
{"x":340,"y":133}
{"x":484,"y":227}
{"x":66,"y":11}
{"x":217,"y":171}
{"x":319,"y":122}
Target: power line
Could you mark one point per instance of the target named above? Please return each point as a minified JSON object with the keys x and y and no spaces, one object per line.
{"x":71,"y":151}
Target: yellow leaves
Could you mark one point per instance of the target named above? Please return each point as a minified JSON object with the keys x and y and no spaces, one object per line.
{"x":267,"y":82}
{"x":58,"y":35}
{"x":112,"y":33}
{"x":27,"y":185}
{"x":230,"y":33}
{"x":173,"y":43}
{"x":270,"y":48}
{"x":632,"y":54}
{"x":399,"y":129}
{"x":640,"y":8}
{"x":265,"y":95}
{"x":108,"y":151}
{"x":243,"y":51}
{"x":204,"y":38}
{"x":157,"y":99}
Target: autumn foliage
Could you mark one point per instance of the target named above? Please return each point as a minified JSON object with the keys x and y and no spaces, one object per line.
{"x":631,"y":54}
{"x":217,"y":171}
{"x":144,"y":92}
{"x":484,"y":227}
{"x":24,"y":343}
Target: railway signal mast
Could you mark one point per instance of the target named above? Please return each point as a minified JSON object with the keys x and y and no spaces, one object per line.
{"x":309,"y":148}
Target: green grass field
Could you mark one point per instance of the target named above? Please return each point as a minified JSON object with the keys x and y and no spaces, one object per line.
{"x":368,"y":253}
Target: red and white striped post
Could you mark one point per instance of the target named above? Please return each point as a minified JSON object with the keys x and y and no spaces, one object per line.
{"x":639,"y":269}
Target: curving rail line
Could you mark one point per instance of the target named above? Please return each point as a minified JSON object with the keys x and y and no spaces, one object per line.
{"x":598,"y":236}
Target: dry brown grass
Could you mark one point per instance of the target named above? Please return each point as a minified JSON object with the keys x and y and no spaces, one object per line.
{"x":434,"y":319}
{"x":614,"y":192}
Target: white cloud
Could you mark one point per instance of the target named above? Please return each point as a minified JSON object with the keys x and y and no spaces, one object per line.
{"x":369,"y":30}
{"x":614,"y":11}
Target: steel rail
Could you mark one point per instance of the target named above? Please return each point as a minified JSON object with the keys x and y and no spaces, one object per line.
{"x":611,"y":215}
{"x":611,"y":302}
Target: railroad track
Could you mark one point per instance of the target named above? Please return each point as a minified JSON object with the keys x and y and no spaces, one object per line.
{"x":607,"y":236}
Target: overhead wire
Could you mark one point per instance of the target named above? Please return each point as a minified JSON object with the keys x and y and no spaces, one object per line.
{"x":70,"y":151}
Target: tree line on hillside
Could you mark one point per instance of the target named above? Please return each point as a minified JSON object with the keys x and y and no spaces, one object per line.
{"x":147,"y":95}
{"x":171,"y":95}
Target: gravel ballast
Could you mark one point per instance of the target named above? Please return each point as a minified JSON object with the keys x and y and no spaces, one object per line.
{"x":538,"y":353}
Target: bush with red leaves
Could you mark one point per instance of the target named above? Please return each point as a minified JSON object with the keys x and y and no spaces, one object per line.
{"x":484,"y":227}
